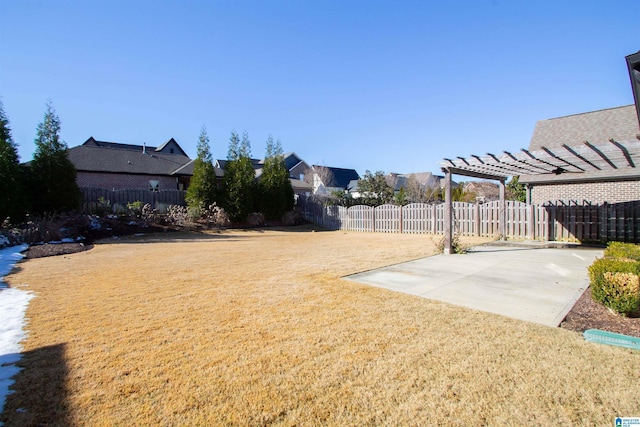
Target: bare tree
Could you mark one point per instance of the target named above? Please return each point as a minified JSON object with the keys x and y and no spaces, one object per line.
{"x":318,"y":175}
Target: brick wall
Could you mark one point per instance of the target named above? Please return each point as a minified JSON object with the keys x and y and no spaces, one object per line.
{"x":591,"y":192}
{"x":123,"y":181}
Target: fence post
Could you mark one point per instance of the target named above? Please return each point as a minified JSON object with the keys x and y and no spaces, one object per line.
{"x":530,"y":222}
{"x":603,"y":217}
{"x":502,"y":212}
{"x":434,"y":219}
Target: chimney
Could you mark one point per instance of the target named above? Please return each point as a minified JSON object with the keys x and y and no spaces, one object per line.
{"x":633,"y":63}
{"x":144,"y":148}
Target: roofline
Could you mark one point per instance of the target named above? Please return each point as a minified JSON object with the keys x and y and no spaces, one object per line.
{"x":587,"y":112}
{"x":332,"y":167}
{"x":144,"y":146}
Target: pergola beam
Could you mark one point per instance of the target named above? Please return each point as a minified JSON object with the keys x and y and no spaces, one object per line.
{"x":549,"y":152}
{"x":472,"y":173}
{"x":601,"y":154}
{"x":581,"y":157}
{"x":625,"y":152}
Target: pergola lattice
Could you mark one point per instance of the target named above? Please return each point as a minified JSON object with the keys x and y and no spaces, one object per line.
{"x":588,"y":161}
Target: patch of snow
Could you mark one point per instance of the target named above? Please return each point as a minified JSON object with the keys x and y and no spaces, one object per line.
{"x":13,"y":304}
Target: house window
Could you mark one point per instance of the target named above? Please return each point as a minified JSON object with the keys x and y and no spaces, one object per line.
{"x":171,"y":150}
{"x":301,"y":177}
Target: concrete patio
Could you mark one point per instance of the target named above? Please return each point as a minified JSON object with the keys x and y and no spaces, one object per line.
{"x":533,"y":283}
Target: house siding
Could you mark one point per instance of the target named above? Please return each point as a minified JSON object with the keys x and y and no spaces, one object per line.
{"x":300,"y":168}
{"x":123,"y":181}
{"x":586,"y":192}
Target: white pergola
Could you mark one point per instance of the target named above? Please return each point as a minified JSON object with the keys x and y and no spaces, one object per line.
{"x":610,"y":160}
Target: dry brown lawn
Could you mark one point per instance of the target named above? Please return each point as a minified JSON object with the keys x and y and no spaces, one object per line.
{"x":257,"y":328}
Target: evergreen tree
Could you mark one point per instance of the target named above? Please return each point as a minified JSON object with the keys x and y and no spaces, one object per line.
{"x":276,"y":192}
{"x":401,"y":198}
{"x":13,"y":200}
{"x":239,"y":178}
{"x":52,"y":176}
{"x":203,"y":186}
{"x":516,"y":190}
{"x":374,"y":189}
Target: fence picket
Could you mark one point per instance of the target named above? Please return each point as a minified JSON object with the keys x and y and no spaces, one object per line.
{"x":586,"y":223}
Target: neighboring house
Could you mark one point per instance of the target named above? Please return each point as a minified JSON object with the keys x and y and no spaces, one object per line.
{"x":294,"y":164}
{"x":329,"y":179}
{"x":426,"y":180}
{"x":608,"y":126}
{"x":298,"y":169}
{"x":125,"y":166}
{"x":485,"y":191}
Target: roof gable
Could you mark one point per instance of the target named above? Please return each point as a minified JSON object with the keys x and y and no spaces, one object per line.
{"x":341,"y":177}
{"x":169,"y":147}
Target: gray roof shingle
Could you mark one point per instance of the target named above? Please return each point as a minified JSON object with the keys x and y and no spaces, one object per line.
{"x":620,"y":123}
{"x":341,"y":177}
{"x":89,"y":158}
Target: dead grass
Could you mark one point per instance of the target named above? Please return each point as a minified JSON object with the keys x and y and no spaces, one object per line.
{"x":257,"y":328}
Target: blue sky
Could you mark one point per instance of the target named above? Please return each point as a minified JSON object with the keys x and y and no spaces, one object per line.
{"x":379,"y":85}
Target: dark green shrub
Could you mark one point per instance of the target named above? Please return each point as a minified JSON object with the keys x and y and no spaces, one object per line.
{"x":623,"y":251}
{"x":615,"y":284}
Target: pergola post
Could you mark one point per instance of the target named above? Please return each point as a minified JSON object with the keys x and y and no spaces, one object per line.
{"x":502,"y":212}
{"x":448,"y":213}
{"x":530,"y":214}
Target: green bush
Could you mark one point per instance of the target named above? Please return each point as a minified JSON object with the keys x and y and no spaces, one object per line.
{"x":622,"y":251}
{"x":615,"y":283}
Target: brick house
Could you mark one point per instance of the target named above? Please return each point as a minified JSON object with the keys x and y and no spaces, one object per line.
{"x":608,"y":126}
{"x":117,"y":166}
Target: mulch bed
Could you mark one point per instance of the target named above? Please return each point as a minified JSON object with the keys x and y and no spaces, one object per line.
{"x":585,"y":314}
{"x":588,"y":314}
{"x":53,"y":249}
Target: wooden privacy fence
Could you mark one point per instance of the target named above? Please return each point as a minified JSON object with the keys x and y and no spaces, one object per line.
{"x":95,"y":199}
{"x":602,"y":223}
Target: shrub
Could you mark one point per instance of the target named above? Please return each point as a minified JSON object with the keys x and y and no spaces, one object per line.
{"x":255,"y":219}
{"x":216,"y":215}
{"x":615,"y":284}
{"x":290,"y":218}
{"x":103,"y":206}
{"x":134,"y":208}
{"x":456,"y":245}
{"x":212,"y":215}
{"x":178,"y":215}
{"x":623,"y":251}
{"x":148,"y":214}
